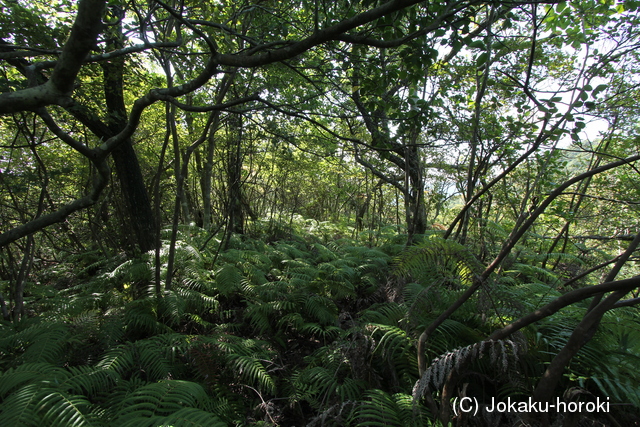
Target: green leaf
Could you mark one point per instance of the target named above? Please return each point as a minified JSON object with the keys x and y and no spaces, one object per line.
{"x":478,"y":44}
{"x":482,"y":59}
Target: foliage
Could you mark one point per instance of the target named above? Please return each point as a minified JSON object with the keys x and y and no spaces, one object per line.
{"x":320,"y":213}
{"x":264,"y":332}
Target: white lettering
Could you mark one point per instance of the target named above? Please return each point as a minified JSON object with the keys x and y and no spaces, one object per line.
{"x":467,"y":409}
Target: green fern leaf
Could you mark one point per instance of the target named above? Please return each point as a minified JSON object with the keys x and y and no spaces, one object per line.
{"x":65,"y":410}
{"x":14,"y":378}
{"x":252,"y":371}
{"x":163,"y":398}
{"x":185,"y":417}
{"x":19,"y":409}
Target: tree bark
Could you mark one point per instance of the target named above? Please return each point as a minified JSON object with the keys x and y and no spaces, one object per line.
{"x":235,"y":211}
{"x":134,"y":191}
{"x":58,"y":89}
{"x":414,"y":183}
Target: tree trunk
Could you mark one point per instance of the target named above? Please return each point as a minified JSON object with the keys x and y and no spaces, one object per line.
{"x":416,"y":214}
{"x":23,"y":273}
{"x":134,"y":191}
{"x":235,"y":211}
{"x":205,"y":182}
{"x":207,"y":174}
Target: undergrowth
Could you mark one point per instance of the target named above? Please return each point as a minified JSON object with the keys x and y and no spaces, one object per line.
{"x":302,"y":331}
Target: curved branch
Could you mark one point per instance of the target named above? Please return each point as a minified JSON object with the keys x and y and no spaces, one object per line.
{"x":153,"y":96}
{"x":626,"y":285}
{"x":215,"y":107}
{"x":110,"y":55}
{"x":58,"y":89}
{"x":506,"y":249}
{"x":100,"y":182}
{"x":332,"y":33}
{"x":65,"y":137}
{"x":518,"y":233}
{"x":627,"y":303}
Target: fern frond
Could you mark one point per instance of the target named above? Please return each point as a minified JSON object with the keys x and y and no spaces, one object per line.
{"x":380,"y":409}
{"x":613,"y":383}
{"x":244,"y":358}
{"x":396,"y":348}
{"x":261,"y":316}
{"x":88,"y":381}
{"x":227,"y":279}
{"x":65,"y":410}
{"x":19,"y":408}
{"x":324,"y":386}
{"x":164,"y":398}
{"x":532,"y":273}
{"x":321,"y":309}
{"x":252,"y":371}
{"x":26,"y":373}
{"x":140,"y":318}
{"x":133,"y":270}
{"x":502,"y":353}
{"x":41,"y":342}
{"x":185,"y":417}
{"x":324,"y":254}
{"x":152,"y":358}
{"x":439,"y":260}
{"x":387,"y":313}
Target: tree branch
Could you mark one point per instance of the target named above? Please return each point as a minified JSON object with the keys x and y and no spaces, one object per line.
{"x":100,"y":182}
{"x":515,"y":236}
{"x":58,"y":89}
{"x":626,"y":285}
{"x":331,"y":33}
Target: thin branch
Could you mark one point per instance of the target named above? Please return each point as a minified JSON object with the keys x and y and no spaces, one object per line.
{"x":204,"y":109}
{"x":626,"y":285}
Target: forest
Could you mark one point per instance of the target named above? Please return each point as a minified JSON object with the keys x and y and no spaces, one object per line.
{"x":319,"y":213}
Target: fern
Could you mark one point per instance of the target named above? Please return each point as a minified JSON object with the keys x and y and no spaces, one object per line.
{"x":152,"y":359}
{"x":252,"y":371}
{"x":141,"y":320}
{"x":89,"y":381}
{"x":227,"y":279}
{"x":322,"y":387}
{"x":38,"y":342}
{"x":388,"y":313}
{"x":162,"y":399}
{"x":397,"y":350}
{"x":27,"y":373}
{"x":321,"y":309}
{"x":612,"y":381}
{"x":437,"y":260}
{"x":34,"y":394}
{"x":245,"y":359}
{"x":383,"y":409}
{"x":65,"y":410}
{"x":19,"y":408}
{"x":185,"y":417}
{"x":502,"y":354}
{"x":530,"y":272}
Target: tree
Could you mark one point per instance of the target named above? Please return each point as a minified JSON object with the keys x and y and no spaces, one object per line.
{"x":326,"y":109}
